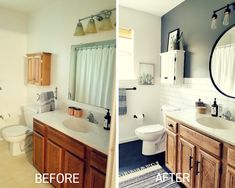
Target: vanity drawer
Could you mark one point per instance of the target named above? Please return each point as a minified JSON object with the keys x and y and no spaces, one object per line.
{"x":231,"y":156}
{"x":99,"y":161}
{"x":172,"y":125}
{"x":206,"y":143}
{"x":67,"y":142}
{"x":39,"y":127}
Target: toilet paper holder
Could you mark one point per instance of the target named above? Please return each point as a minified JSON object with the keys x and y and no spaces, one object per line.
{"x":135,"y":116}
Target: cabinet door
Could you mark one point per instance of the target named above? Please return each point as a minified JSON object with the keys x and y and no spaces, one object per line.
{"x":230,"y":177}
{"x":168,"y":68}
{"x":186,"y":159}
{"x":37,"y":71}
{"x":171,"y":148}
{"x":38,"y":151}
{"x":97,"y":179}
{"x":207,"y":170}
{"x":74,"y":165}
{"x":54,"y":160}
{"x":30,"y":70}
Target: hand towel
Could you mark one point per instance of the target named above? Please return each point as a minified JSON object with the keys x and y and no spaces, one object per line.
{"x":122,"y":102}
{"x":46,"y":101}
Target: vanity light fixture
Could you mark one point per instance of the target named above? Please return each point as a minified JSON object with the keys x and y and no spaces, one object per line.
{"x":227,"y":13}
{"x":103,"y":17}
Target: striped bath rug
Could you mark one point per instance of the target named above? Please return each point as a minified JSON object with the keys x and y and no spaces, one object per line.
{"x":149,"y":176}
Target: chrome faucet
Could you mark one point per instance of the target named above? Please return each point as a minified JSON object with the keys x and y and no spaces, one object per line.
{"x":227,"y":115}
{"x":91,"y":118}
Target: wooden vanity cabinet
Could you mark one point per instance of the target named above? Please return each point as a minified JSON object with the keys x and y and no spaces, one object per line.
{"x":72,"y":164}
{"x":186,"y":160}
{"x":96,"y":169}
{"x":196,"y":154}
{"x":229,"y":166}
{"x":230,"y":177}
{"x":207,"y":170}
{"x":39,"y":146}
{"x":54,"y":160}
{"x":171,"y":145}
{"x":39,"y":68}
{"x":96,"y":179}
{"x":63,"y":154}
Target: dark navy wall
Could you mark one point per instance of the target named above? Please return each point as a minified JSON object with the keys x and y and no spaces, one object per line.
{"x":193,"y":17}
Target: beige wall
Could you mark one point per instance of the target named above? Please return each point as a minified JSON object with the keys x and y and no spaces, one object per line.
{"x":51,"y":29}
{"x":13,"y":45}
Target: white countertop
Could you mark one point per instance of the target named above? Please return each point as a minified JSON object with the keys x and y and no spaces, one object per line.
{"x":188,"y":118}
{"x":98,"y":138}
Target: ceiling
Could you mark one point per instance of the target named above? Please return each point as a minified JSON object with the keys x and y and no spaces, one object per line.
{"x":156,"y":7}
{"x":25,"y":6}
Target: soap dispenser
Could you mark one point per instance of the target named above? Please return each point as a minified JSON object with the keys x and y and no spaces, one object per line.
{"x":107,"y":120}
{"x":214,"y":109}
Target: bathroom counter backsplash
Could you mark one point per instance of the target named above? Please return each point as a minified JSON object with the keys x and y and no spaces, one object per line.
{"x":97,"y":138}
{"x":189,"y":118}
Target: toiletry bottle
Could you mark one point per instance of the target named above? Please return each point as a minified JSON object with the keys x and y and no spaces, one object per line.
{"x":214,"y":109}
{"x":107,"y":121}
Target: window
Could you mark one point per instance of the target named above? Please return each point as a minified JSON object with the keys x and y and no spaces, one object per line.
{"x":126,"y":54}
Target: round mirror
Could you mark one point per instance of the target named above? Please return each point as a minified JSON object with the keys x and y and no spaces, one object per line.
{"x":222,"y":63}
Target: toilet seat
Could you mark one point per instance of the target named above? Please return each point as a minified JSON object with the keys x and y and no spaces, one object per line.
{"x":150,"y":128}
{"x":16,"y":130}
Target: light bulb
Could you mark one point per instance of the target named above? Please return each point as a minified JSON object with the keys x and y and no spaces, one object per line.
{"x":226,"y":19}
{"x":214,"y":23}
{"x":226,"y":16}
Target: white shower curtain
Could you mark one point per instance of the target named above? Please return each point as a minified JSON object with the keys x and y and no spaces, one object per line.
{"x":223,"y":68}
{"x":94,"y":76}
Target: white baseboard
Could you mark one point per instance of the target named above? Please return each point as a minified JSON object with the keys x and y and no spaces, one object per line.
{"x":128,"y":139}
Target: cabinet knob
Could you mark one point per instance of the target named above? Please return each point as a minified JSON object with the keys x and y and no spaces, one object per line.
{"x":170,"y":125}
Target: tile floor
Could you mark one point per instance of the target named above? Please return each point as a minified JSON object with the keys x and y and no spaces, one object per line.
{"x":18,"y":171}
{"x":130,"y":156}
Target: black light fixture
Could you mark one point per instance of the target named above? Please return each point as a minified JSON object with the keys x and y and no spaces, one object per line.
{"x":103,"y":17}
{"x":227,"y":12}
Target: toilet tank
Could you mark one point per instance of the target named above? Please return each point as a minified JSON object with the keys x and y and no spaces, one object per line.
{"x":29,"y":112}
{"x":167,"y":108}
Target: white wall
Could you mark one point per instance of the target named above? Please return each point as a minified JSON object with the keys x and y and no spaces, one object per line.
{"x":191,"y":91}
{"x":13,"y":27}
{"x":51,"y":30}
{"x":145,"y":99}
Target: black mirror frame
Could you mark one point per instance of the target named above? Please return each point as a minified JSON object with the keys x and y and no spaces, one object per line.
{"x":210,"y":71}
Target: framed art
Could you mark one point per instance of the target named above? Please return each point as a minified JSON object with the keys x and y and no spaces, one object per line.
{"x":146,"y":73}
{"x":173,"y":37}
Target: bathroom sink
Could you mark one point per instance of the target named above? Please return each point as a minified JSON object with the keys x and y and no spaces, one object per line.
{"x":216,"y":123}
{"x":79,"y":125}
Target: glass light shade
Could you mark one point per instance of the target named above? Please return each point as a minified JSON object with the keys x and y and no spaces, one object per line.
{"x":79,"y":30}
{"x":106,"y":24}
{"x":214,"y":23}
{"x":91,"y":28}
{"x":226,"y":18}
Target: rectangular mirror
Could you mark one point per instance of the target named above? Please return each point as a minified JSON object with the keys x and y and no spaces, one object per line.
{"x":92,"y":73}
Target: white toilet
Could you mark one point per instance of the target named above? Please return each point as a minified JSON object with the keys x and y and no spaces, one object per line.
{"x":20,"y":136}
{"x":153,"y":136}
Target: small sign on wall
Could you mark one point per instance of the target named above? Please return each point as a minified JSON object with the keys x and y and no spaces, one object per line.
{"x":146,"y":73}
